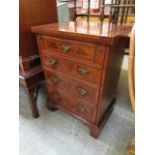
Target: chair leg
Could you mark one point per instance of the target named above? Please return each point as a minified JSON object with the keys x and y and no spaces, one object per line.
{"x":131,"y":147}
{"x":32,"y":96}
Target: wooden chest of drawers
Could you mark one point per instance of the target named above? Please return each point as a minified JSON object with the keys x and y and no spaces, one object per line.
{"x":81,"y":69}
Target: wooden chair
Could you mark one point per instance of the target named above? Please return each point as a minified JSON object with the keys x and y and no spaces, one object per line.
{"x":31,"y":80}
{"x":32,"y":12}
{"x":131,"y":80}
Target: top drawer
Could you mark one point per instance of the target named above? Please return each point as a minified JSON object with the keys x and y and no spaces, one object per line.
{"x":87,"y":51}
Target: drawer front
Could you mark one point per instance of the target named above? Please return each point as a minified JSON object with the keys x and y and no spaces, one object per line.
{"x":73,"y":48}
{"x":54,"y":79}
{"x":86,"y":51}
{"x":74,"y":86}
{"x":73,"y":104}
{"x":78,"y":70}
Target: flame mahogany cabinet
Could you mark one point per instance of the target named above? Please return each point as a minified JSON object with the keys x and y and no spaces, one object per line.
{"x":82,"y":62}
{"x":32,"y":12}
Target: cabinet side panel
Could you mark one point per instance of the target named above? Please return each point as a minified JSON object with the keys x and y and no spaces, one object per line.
{"x":110,"y":76}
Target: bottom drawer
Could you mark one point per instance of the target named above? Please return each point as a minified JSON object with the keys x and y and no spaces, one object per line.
{"x":73,"y":104}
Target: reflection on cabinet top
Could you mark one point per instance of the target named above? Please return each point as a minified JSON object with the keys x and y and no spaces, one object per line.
{"x":94,"y":32}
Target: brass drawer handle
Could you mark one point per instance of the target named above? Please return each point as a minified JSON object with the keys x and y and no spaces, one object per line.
{"x":52,"y":61}
{"x":81,"y":109}
{"x":65,"y":48}
{"x":83,"y":71}
{"x":55,"y":79}
{"x":82,"y":91}
{"x":56,"y":98}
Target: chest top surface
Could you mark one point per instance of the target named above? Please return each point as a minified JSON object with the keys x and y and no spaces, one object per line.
{"x":85,"y":31}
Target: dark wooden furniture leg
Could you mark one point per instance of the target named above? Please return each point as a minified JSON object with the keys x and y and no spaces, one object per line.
{"x":31,"y":80}
{"x":32,"y":96}
{"x":51,"y":108}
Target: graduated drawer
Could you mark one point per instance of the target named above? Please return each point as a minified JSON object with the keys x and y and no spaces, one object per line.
{"x":86,"y":51}
{"x":75,"y":69}
{"x":79,"y":88}
{"x":72,"y":103}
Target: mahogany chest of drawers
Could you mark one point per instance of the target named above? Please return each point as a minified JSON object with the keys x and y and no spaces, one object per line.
{"x":81,"y":65}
